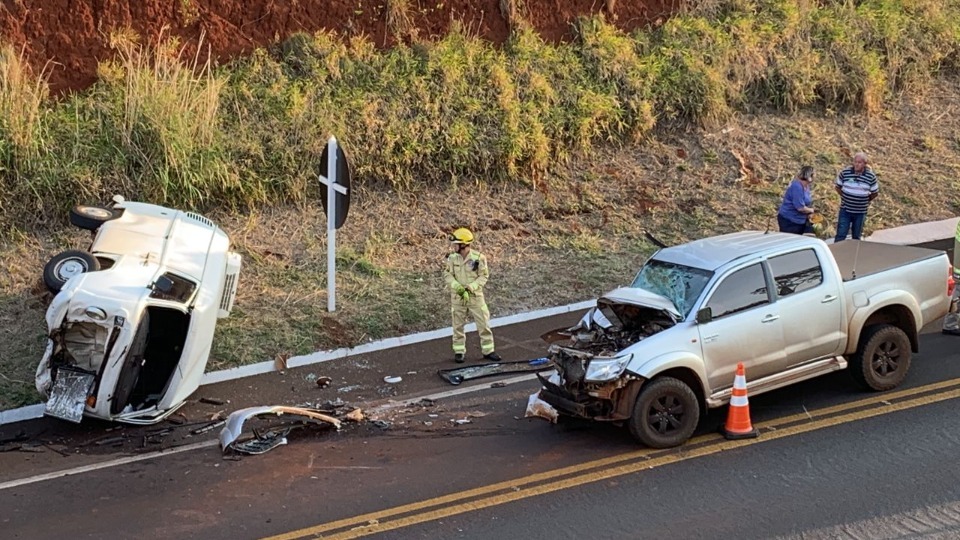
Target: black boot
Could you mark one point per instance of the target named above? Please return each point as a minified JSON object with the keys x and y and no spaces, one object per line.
{"x":458,"y":358}
{"x":493,"y":357}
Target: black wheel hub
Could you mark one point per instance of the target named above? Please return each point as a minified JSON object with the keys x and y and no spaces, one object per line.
{"x":887,"y":359}
{"x":665,"y":414}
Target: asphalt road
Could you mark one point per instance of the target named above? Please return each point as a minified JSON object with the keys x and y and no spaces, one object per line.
{"x":832,"y":462}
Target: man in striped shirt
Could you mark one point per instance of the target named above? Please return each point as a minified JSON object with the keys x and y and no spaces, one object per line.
{"x":857,"y":186}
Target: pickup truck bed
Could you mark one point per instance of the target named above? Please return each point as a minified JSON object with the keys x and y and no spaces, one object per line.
{"x":857,"y":259}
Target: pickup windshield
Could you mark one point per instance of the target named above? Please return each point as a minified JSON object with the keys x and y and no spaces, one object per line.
{"x":680,"y":284}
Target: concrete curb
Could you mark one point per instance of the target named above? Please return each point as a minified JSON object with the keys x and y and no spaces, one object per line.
{"x":917,"y":233}
{"x":389,"y":343}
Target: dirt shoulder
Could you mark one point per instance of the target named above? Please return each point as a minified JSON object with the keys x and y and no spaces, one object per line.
{"x":573,"y":236}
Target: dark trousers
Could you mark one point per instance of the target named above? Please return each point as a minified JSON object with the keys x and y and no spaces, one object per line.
{"x":788,"y":226}
{"x":846,"y":221}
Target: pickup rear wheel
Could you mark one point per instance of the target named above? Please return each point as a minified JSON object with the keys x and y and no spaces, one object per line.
{"x":666,"y":413}
{"x":882,"y":359}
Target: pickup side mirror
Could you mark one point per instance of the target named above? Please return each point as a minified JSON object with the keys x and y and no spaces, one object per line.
{"x":705,"y":315}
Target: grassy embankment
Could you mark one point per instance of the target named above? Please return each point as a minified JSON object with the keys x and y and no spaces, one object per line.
{"x":451,"y":118}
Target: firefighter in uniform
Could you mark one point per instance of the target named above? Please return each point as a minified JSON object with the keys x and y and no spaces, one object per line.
{"x":466,"y":273}
{"x":951,"y":323}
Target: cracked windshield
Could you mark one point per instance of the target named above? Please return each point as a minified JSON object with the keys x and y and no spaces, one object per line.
{"x":680,"y":284}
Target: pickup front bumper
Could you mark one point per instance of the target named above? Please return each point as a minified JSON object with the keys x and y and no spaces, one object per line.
{"x":611,"y":402}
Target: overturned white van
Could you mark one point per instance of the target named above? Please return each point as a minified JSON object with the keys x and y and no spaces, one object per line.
{"x":132,"y":322}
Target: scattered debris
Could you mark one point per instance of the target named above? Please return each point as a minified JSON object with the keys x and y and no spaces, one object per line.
{"x":382,"y":424}
{"x":498,"y":384}
{"x":280,"y":362}
{"x":458,"y":375}
{"x":19,"y":437}
{"x":355,"y":415}
{"x":311,"y":377}
{"x":411,"y":373}
{"x":349,"y":388}
{"x":537,"y":407}
{"x":392,"y":379}
{"x":427,"y":402}
{"x":209,"y":427}
{"x":212,"y":401}
{"x":262,"y":442}
{"x":476,"y":414}
{"x":433,"y":415}
{"x":461,"y":421}
{"x":234,"y":423}
{"x":178,"y":419}
{"x":113,"y":441}
{"x":323,"y":382}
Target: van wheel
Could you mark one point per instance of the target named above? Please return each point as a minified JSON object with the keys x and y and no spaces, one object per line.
{"x":65,"y":265}
{"x":90,"y":217}
{"x":882,"y":359}
{"x":666,"y":413}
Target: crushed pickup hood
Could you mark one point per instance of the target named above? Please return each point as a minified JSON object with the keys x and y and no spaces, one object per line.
{"x":615,"y":304}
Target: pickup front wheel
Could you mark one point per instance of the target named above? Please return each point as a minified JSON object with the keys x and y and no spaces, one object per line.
{"x":666,"y":413}
{"x":882,"y":359}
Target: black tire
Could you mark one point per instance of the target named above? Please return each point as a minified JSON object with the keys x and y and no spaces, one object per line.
{"x":882,"y":359}
{"x":65,"y":265}
{"x":132,"y":366}
{"x":91,"y":217}
{"x":666,"y":413}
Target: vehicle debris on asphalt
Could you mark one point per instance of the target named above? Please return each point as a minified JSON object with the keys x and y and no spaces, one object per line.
{"x":456,"y":376}
{"x":233,"y":429}
{"x":538,"y":408}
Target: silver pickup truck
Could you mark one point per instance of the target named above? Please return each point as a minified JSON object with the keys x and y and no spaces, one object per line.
{"x":658,"y":353}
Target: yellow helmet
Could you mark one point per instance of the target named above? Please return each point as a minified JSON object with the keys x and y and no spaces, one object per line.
{"x":462,"y":236}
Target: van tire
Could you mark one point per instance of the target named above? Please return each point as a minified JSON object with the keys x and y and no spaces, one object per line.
{"x":666,"y":413}
{"x":882,"y":359}
{"x":62,"y":266}
{"x":91,"y":217}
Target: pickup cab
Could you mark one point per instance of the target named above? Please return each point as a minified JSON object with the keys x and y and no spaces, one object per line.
{"x":658,"y":353}
{"x":131,"y":325}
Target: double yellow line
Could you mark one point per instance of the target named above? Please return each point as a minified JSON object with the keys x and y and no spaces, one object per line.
{"x":623,"y":464}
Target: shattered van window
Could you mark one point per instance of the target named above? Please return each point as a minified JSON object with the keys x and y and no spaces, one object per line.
{"x":680,"y":284}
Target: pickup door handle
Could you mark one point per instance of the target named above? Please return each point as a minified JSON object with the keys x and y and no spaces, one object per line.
{"x":828,"y":298}
{"x":769,"y":318}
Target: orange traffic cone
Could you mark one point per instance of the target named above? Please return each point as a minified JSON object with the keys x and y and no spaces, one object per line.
{"x":738,"y":418}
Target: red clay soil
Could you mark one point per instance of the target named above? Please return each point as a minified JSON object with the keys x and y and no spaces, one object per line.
{"x":69,"y":37}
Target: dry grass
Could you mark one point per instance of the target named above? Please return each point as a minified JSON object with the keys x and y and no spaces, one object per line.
{"x":570,"y":239}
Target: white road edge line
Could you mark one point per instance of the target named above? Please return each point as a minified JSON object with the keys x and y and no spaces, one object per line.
{"x":106,"y":464}
{"x":214,"y":442}
{"x":31,"y":412}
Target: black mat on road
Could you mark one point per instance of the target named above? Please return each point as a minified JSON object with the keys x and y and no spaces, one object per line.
{"x":458,"y":375}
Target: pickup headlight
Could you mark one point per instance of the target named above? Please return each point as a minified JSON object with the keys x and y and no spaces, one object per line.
{"x":606,"y":369}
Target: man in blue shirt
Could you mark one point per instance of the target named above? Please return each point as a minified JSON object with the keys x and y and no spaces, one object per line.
{"x":857,"y":186}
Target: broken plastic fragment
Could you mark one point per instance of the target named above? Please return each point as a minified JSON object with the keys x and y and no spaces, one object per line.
{"x":392,"y":379}
{"x":537,"y":407}
{"x":234,"y":426}
{"x":355,"y":415}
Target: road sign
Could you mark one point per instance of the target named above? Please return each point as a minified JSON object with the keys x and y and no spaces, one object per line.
{"x":341,"y":183}
{"x":336,"y":203}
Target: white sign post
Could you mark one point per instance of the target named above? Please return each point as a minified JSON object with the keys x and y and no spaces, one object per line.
{"x":332,"y":189}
